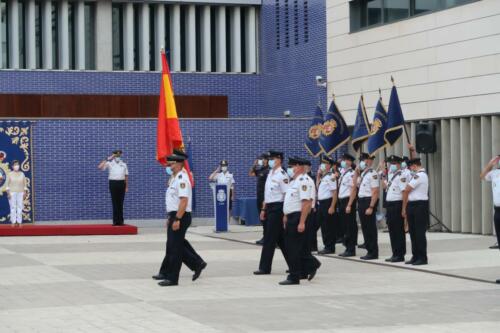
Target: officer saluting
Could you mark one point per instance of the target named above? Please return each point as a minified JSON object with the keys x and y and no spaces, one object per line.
{"x":327,"y":198}
{"x":347,"y":205}
{"x":272,"y":212}
{"x":394,"y":186}
{"x":179,"y":196}
{"x":298,"y":203}
{"x":367,"y":205}
{"x":416,"y":209}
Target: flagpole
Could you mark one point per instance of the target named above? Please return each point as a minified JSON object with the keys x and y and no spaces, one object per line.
{"x":404,"y":125}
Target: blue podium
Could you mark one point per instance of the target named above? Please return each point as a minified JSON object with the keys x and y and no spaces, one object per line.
{"x":221,"y":207}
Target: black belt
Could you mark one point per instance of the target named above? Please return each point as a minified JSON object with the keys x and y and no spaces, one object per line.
{"x":274,"y":204}
{"x":365,"y":199}
{"x":325,"y":200}
{"x":418,"y":202}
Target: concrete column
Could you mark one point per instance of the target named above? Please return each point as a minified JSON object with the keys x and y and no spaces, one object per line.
{"x":144,"y":37}
{"x":80,"y":34}
{"x":191,"y":38}
{"x":159,"y":33}
{"x":465,"y":175}
{"x":13,"y":9}
{"x":47,"y":35}
{"x":456,"y":222}
{"x":175,"y":37}
{"x":445,"y":172}
{"x":475,"y":159}
{"x":104,"y":35}
{"x":206,"y":54}
{"x":220,"y":40}
{"x":128,"y":36}
{"x":63,"y":35}
{"x":30,"y":50}
{"x":487,"y":200}
{"x":495,"y":139}
{"x":251,"y":40}
{"x":235,"y":21}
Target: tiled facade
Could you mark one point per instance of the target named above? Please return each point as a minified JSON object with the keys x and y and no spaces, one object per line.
{"x":66,"y":152}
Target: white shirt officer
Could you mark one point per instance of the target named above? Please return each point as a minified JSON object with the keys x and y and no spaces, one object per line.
{"x":277,"y":183}
{"x":346,"y":183}
{"x":494,"y":177}
{"x":367,"y":181}
{"x":301,"y":188}
{"x":420,"y":185}
{"x":396,"y":185}
{"x":225,"y":178}
{"x":179,"y":186}
{"x":327,"y":185}
{"x":117,"y":169}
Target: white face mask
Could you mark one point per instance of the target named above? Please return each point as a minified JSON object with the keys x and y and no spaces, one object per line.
{"x":290,"y":172}
{"x":260,"y":162}
{"x":322,"y":167}
{"x":224,"y":168}
{"x":16,"y":167}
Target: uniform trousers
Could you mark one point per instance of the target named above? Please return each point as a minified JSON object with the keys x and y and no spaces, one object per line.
{"x":350,"y":224}
{"x":312,"y":229}
{"x":327,"y":224}
{"x":396,"y":225}
{"x":260,"y":201}
{"x":497,"y":223}
{"x":178,"y":249}
{"x":274,"y":236}
{"x":368,"y":225}
{"x":300,"y":260}
{"x":117,"y":189}
{"x":418,"y":221}
{"x":16,"y":207}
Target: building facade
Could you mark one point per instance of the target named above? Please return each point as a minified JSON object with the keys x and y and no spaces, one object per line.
{"x":86,"y":73}
{"x":444,"y":56}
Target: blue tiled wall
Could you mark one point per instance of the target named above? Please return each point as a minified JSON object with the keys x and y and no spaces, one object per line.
{"x":68,"y":185}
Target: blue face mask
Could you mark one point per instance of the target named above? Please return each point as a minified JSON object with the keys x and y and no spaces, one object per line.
{"x":290,"y":172}
{"x":393,"y":168}
{"x":168,"y":170}
{"x":343,"y":164}
{"x":322,"y":167}
{"x":403,"y":165}
{"x":362,"y":165}
{"x":272,"y":163}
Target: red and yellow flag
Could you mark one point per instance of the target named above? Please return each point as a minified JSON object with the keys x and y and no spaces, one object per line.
{"x":169,"y":136}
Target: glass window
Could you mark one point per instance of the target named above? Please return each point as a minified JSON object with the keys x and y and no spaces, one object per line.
{"x":117,"y":31}
{"x":72,"y":34}
{"x":422,"y":6}
{"x":22,"y":36}
{"x":38,"y":34}
{"x":451,"y":3}
{"x":3,"y":34}
{"x":55,"y":35}
{"x":89,"y":35}
{"x":373,"y":12}
{"x":396,"y":10}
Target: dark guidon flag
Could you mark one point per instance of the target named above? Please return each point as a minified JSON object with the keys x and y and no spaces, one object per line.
{"x":361,"y":130}
{"x":334,"y":133}
{"x":376,"y":140}
{"x":314,"y":133}
{"x":395,"y":119}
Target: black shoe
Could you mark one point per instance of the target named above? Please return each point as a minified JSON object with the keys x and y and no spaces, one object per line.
{"x":390,"y":259}
{"x":494,"y":246}
{"x":362,"y":246}
{"x":411,"y":261}
{"x":289,"y":282}
{"x":369,"y":257}
{"x":420,"y":262}
{"x":159,"y":276}
{"x":312,"y":275}
{"x":167,"y":283}
{"x":347,"y":254}
{"x":260,"y":241}
{"x":339,"y":241}
{"x":259,"y":272}
{"x":398,"y":259}
{"x":327,"y":250}
{"x":197,"y":272}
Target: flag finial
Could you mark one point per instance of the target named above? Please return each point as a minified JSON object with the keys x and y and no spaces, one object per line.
{"x":392,"y":80}
{"x":380,"y":93}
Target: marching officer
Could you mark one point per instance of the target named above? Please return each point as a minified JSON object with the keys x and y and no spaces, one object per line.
{"x":416,"y":209}
{"x":327,"y":197}
{"x":272,"y":212}
{"x":260,"y":169}
{"x":297,"y":205}
{"x":394,"y":186}
{"x":368,"y":182}
{"x":118,"y":183}
{"x":347,"y":205}
{"x":179,"y":198}
{"x":491,"y":173}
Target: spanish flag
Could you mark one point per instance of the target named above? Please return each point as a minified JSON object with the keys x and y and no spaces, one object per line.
{"x":168,"y":135}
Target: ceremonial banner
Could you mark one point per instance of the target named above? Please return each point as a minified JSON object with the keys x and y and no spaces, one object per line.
{"x":376,"y":140}
{"x":334,"y":133}
{"x":15,"y":144}
{"x":168,"y":135}
{"x":314,"y":133}
{"x":395,"y":119}
{"x":361,"y":127}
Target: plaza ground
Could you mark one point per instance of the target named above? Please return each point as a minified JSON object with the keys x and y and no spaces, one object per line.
{"x":103,"y":284}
